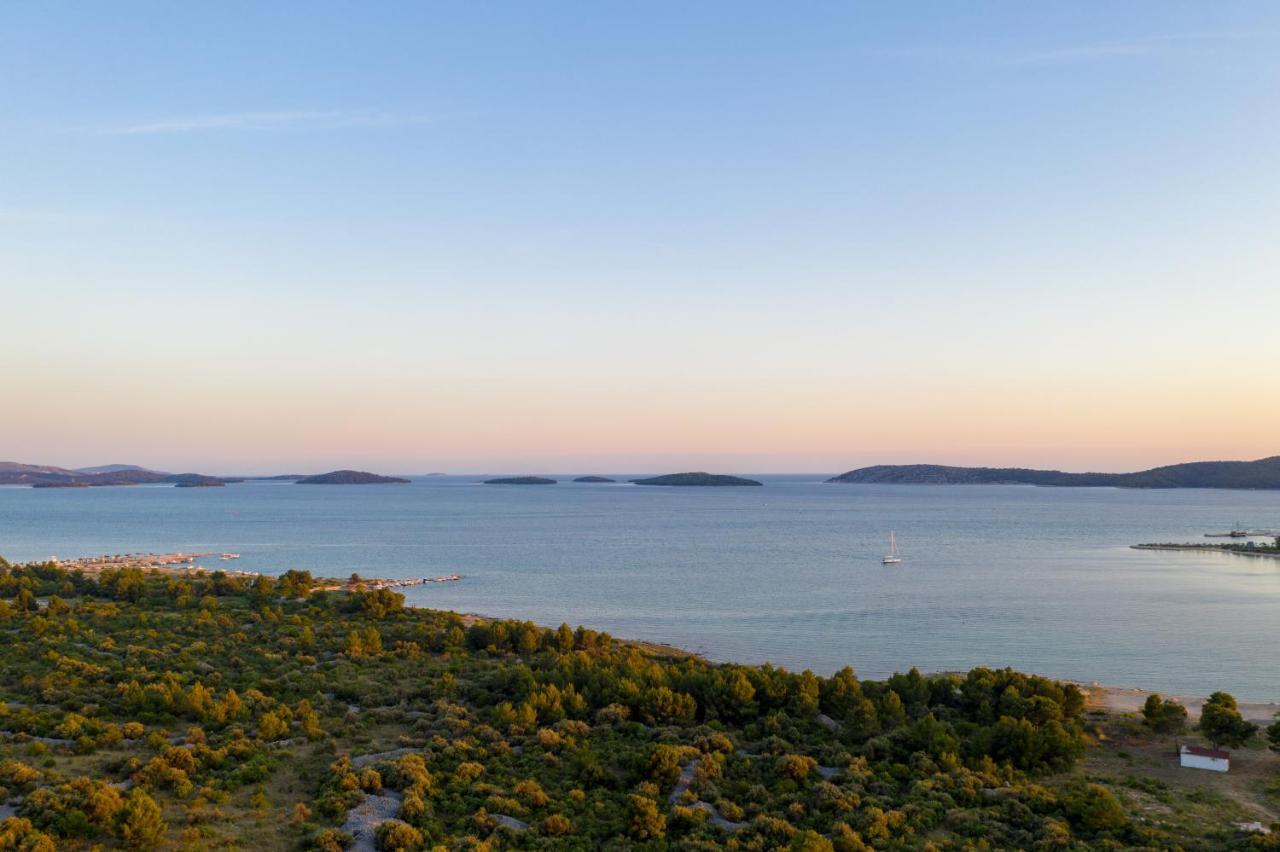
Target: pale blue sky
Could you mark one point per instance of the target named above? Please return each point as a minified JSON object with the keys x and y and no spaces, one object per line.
{"x":749,"y":235}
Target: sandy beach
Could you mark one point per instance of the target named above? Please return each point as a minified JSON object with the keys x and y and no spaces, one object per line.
{"x":1117,"y":699}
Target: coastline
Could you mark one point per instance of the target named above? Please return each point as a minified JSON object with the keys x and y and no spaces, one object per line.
{"x":1099,"y":697}
{"x":1121,"y":699}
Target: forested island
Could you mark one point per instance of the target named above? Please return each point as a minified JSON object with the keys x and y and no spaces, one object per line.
{"x":521,"y":480}
{"x":696,"y":478}
{"x":350,"y":477}
{"x":1260,"y":474}
{"x":594,"y":479}
{"x":155,"y":709}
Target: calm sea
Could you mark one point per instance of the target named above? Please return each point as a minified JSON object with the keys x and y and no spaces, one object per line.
{"x":1037,"y":578}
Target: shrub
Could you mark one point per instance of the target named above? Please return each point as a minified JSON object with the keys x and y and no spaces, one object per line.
{"x":397,"y":836}
{"x":556,"y":825}
{"x":141,"y":824}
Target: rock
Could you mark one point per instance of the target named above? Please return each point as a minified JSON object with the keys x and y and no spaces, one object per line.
{"x":363,"y":820}
{"x":510,"y":822}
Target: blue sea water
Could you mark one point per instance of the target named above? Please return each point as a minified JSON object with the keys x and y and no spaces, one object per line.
{"x":1041,"y":579}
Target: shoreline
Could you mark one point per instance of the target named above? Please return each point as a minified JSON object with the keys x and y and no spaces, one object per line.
{"x":1122,"y":699}
{"x":1113,"y":699}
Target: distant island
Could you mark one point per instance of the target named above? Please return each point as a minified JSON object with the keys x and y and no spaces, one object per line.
{"x":1260,"y":474}
{"x":696,"y":478}
{"x":520,"y":480}
{"x":113,"y":468}
{"x":350,"y":477}
{"x":203,"y":482}
{"x":46,"y":476}
{"x":594,"y":479}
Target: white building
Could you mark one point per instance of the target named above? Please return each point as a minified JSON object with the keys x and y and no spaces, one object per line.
{"x":1198,"y":757}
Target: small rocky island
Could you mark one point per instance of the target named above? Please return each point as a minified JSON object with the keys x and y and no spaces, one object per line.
{"x":594,"y":479}
{"x":350,"y":477}
{"x":696,"y":478}
{"x":520,"y":480}
{"x":197,"y":481}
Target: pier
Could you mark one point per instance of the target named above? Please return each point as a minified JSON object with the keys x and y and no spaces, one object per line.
{"x":364,"y":583}
{"x":1242,"y":533}
{"x":1248,"y":549}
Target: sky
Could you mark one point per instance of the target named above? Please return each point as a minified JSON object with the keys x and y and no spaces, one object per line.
{"x":734,"y":236}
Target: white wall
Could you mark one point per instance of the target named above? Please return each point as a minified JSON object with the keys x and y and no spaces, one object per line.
{"x":1195,"y":761}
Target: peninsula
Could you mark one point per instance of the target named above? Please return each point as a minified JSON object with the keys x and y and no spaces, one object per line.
{"x":374,"y":724}
{"x":521,"y":480}
{"x":696,"y":478}
{"x":1259,"y":474}
{"x":351,"y":477}
{"x":47,"y":476}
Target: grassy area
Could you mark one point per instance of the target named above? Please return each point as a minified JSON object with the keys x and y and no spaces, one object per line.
{"x":1143,"y":767}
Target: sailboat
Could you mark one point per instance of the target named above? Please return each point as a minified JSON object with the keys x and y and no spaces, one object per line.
{"x":892,"y":557}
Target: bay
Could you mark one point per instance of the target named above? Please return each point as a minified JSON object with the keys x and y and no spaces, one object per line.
{"x":1041,"y":579}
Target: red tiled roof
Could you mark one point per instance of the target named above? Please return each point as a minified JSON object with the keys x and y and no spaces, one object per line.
{"x":1201,"y":751}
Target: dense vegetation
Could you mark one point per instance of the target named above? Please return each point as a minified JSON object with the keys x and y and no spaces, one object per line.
{"x":143,"y":710}
{"x":1263,"y":473}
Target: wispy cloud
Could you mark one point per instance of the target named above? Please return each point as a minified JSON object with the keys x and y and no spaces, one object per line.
{"x":267,"y":120}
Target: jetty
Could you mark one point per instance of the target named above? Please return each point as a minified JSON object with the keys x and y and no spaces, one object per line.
{"x":1243,"y":533}
{"x":412,"y":581}
{"x":369,"y":583}
{"x":1247,"y":549}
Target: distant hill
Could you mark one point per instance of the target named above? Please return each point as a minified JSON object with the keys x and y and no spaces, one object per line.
{"x":15,"y":473}
{"x":350,"y":477}
{"x":594,"y":479}
{"x":114,"y":468}
{"x":1260,"y":474}
{"x":694,"y":478}
{"x":521,"y":480}
{"x":46,"y":476}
